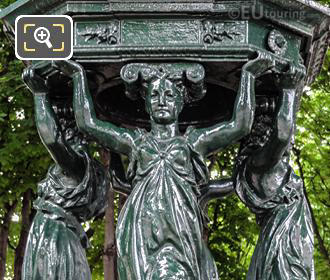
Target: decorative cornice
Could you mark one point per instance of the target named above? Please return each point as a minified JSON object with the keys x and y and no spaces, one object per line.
{"x":102,"y":34}
{"x":277,"y":42}
{"x":223,"y":32}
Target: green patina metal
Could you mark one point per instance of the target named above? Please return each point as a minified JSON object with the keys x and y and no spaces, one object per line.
{"x":159,"y":231}
{"x":74,"y":191}
{"x":222,"y":35}
{"x":167,"y":83}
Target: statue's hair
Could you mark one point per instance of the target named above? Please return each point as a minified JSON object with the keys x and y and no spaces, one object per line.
{"x":65,"y":116}
{"x":177,"y":81}
{"x":259,"y":136}
{"x":188,"y":78}
{"x":261,"y":128}
{"x":260,"y":133}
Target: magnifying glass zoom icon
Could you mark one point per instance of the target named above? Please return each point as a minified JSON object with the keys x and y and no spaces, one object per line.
{"x":42,"y":35}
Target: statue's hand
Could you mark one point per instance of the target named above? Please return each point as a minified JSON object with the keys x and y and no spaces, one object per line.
{"x":292,"y":78}
{"x":260,"y":65}
{"x":67,"y":67}
{"x":35,"y":82}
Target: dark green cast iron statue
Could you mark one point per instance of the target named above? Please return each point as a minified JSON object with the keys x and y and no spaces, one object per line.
{"x":159,"y":231}
{"x":74,"y":190}
{"x":266,"y":183}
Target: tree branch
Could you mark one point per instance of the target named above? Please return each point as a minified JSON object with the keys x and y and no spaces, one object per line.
{"x":11,"y":246}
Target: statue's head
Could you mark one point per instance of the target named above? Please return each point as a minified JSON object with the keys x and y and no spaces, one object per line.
{"x":164,"y":87}
{"x":262,"y":129}
{"x":262,"y":126}
{"x":65,"y":116}
{"x":164,"y":100}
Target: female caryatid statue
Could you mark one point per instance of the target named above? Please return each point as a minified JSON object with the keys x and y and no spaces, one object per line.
{"x":74,"y":190}
{"x":266,"y":183}
{"x":159,"y":231}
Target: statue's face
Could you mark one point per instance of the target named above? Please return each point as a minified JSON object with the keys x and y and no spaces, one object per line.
{"x":163,"y":101}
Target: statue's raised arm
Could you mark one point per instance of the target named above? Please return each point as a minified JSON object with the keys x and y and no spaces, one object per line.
{"x":211,"y":139}
{"x":283,"y":128}
{"x":118,"y":139}
{"x":73,"y":191}
{"x":267,"y":184}
{"x":50,"y":132}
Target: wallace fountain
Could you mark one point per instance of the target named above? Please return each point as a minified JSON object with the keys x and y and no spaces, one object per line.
{"x":168,"y":83}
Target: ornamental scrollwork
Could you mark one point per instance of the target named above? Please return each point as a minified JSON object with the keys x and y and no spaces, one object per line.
{"x":220,"y":32}
{"x":103,"y":34}
{"x":277,"y":42}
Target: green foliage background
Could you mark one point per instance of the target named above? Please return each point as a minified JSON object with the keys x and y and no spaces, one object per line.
{"x":232,"y":230}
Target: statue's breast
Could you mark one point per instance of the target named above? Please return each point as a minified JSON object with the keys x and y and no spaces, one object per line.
{"x":171,"y":153}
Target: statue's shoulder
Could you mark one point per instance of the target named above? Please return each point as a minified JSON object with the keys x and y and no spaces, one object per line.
{"x":190,"y":129}
{"x":190,"y":132}
{"x":140,"y":136}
